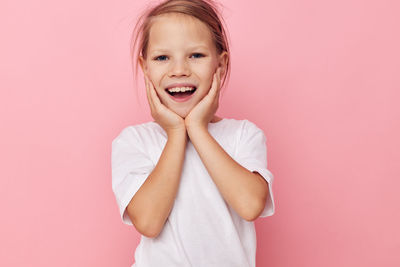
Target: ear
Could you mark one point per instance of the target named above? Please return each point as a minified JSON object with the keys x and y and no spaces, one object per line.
{"x":223,"y":62}
{"x":143,"y":65}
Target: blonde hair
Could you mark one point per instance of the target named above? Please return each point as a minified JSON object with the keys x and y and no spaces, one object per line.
{"x":204,"y":10}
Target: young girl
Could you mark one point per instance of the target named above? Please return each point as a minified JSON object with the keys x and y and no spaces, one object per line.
{"x":190,"y":182}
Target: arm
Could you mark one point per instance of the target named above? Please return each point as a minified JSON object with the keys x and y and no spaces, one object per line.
{"x":245,"y":191}
{"x":152,"y":203}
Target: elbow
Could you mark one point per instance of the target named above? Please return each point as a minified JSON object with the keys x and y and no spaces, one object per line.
{"x":147,"y":229}
{"x":259,"y":204}
{"x":140,"y":222}
{"x":258,"y":201}
{"x":150,"y":232}
{"x":255,"y":212}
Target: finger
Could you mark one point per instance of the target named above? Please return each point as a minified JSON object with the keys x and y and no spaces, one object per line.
{"x":219,"y":81}
{"x":219,"y":78}
{"x":216,"y":83}
{"x":213,"y":85}
{"x":216,"y":89}
{"x":149,"y":96}
{"x":147,"y":90}
{"x":154,"y":95}
{"x":211,"y":93}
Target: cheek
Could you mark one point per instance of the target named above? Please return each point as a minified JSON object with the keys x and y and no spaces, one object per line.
{"x":154,"y":70}
{"x":206,"y":73}
{"x":155,"y":76}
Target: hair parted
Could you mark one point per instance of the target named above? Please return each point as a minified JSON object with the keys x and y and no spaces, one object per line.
{"x":204,"y":10}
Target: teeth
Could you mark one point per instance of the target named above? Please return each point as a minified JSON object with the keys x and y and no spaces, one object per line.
{"x":180,"y":89}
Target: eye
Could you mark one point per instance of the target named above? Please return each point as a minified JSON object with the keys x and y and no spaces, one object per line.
{"x":198,"y":55}
{"x":160,"y":58}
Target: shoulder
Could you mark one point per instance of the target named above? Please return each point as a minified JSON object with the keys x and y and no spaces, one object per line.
{"x":229,"y":123}
{"x":238,"y":130}
{"x":245,"y":126}
{"x":251,"y":126}
{"x":250,"y":131}
{"x":237,"y":126}
{"x":137,"y":132}
{"x":240,"y":122}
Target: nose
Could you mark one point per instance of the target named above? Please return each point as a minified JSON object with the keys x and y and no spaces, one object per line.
{"x":179,"y":68}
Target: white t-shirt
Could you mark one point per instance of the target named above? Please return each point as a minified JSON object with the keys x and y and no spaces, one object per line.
{"x":202,"y":230}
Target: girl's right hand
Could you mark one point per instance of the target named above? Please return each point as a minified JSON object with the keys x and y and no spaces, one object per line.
{"x":166,"y":118}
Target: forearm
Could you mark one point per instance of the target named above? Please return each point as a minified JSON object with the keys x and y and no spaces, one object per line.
{"x":152,"y":203}
{"x":244,"y":191}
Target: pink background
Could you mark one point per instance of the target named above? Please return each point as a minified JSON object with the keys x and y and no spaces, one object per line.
{"x":321,"y":78}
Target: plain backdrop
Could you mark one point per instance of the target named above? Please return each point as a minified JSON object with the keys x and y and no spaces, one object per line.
{"x":321,"y":78}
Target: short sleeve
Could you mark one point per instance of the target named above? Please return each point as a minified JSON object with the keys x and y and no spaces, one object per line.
{"x":251,"y":153}
{"x":130,"y":167}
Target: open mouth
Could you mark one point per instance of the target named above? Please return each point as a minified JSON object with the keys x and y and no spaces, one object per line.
{"x":182,"y":94}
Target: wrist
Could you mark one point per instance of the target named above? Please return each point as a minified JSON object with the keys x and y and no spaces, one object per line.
{"x":178,"y":132}
{"x":196,"y":128}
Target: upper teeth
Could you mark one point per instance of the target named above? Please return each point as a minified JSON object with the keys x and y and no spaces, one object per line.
{"x":180,"y":89}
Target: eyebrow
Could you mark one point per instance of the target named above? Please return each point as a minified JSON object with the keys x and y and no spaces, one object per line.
{"x":190,"y":48}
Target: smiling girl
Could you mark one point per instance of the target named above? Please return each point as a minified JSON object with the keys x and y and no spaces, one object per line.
{"x":190,"y":182}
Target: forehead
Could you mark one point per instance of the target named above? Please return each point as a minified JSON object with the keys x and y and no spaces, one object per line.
{"x":178,"y":30}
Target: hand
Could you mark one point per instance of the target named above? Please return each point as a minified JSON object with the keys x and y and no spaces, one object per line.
{"x":204,"y":111}
{"x":166,"y":118}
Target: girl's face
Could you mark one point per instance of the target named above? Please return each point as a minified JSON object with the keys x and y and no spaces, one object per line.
{"x":181,"y":50}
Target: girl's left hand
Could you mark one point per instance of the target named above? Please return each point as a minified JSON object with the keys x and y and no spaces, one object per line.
{"x":204,"y":111}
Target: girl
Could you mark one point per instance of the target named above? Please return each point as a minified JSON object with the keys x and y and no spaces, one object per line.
{"x":190,"y":182}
